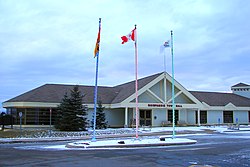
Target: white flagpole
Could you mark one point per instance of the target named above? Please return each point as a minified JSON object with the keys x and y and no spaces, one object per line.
{"x":165,"y":65}
{"x":163,"y":48}
{"x":165,"y":82}
{"x":173,"y":101}
{"x":136,"y":85}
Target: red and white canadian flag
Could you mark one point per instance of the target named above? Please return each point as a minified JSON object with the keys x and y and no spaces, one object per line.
{"x":130,"y":36}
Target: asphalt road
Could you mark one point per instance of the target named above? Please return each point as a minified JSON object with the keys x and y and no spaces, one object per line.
{"x":229,"y":150}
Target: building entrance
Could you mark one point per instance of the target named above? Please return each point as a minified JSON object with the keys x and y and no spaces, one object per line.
{"x":176,"y":116}
{"x":146,"y":117}
{"x":228,"y":116}
{"x":203,"y":117}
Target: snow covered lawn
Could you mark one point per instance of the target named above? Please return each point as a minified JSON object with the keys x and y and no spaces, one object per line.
{"x":113,"y":132}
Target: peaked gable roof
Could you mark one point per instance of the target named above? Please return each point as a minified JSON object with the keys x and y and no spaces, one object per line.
{"x":160,"y":78}
{"x":128,"y":89}
{"x":221,"y":99}
{"x":240,"y":85}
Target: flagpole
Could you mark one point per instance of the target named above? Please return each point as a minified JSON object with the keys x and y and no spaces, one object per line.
{"x":165,"y":83}
{"x":136,"y":85}
{"x":95,"y":93}
{"x":165,"y":66}
{"x":173,"y":100}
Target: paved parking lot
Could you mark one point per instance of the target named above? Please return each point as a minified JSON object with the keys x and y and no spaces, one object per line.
{"x":214,"y":150}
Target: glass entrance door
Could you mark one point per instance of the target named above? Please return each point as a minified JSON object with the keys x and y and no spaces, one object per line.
{"x":170,"y":116}
{"x":203,"y":117}
{"x":228,"y":116}
{"x":146,"y":117}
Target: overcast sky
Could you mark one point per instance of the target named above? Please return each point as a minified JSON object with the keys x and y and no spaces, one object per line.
{"x":44,"y":41}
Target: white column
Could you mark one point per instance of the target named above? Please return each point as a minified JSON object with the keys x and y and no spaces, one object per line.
{"x":199,"y":117}
{"x":126,"y":118}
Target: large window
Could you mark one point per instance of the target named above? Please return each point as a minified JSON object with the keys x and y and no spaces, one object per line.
{"x":228,"y":116}
{"x":35,"y":116}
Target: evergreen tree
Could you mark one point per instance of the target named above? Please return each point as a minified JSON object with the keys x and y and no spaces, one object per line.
{"x":71,"y":114}
{"x":62,"y":112}
{"x":79,"y":120}
{"x":101,"y":122}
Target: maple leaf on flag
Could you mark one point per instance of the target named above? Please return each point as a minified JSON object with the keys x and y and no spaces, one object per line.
{"x":130,"y":36}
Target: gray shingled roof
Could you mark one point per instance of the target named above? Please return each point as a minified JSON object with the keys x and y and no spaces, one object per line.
{"x":221,"y":99}
{"x":240,"y":85}
{"x":53,"y":93}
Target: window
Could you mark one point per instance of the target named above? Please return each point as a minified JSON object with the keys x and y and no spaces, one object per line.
{"x":228,"y":116}
{"x":203,"y":117}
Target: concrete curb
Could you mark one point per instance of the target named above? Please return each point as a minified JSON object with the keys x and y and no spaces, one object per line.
{"x":130,"y":143}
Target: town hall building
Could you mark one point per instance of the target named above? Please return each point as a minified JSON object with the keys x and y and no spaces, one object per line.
{"x":154,"y":103}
